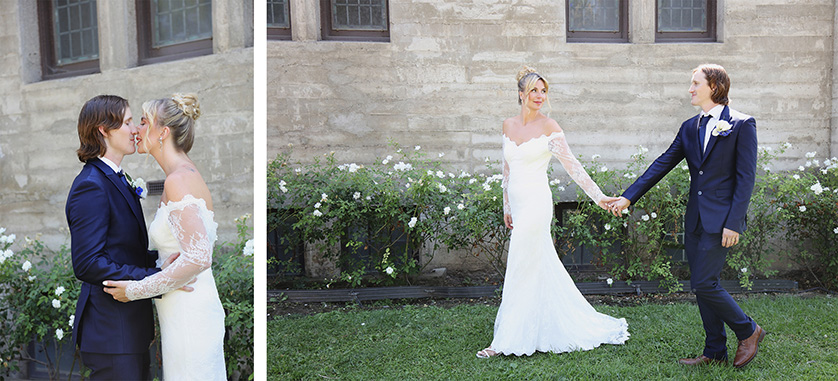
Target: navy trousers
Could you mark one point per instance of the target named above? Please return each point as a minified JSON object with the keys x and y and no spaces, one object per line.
{"x":135,"y":366}
{"x":706,"y":258}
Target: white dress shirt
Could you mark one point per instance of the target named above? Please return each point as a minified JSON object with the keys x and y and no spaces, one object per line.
{"x":111,"y":164}
{"x":715,"y":113}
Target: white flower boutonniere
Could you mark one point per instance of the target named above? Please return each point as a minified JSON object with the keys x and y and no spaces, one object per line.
{"x":722,"y":128}
{"x":138,"y":185}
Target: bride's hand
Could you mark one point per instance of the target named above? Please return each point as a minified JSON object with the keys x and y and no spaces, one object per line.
{"x":169,"y":260}
{"x":605,"y":202}
{"x":507,"y":220}
{"x":117,"y":289}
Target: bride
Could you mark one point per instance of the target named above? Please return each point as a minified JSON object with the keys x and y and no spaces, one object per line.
{"x":191,"y":323}
{"x":541,"y":308}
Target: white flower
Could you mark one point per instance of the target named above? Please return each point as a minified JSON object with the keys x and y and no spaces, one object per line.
{"x":835,"y":230}
{"x":808,"y":164}
{"x":139,"y":187}
{"x":56,"y":303}
{"x":389,"y":270}
{"x":603,"y":169}
{"x":685,"y":167}
{"x":72,"y":320}
{"x":441,"y":154}
{"x":721,"y":126}
{"x":494,"y":198}
{"x":317,"y":213}
{"x":487,"y":159}
{"x":654,"y":215}
{"x":446,"y":210}
{"x":443,"y":188}
{"x":595,"y":156}
{"x":317,"y":205}
{"x":801,"y":168}
{"x":607,"y":226}
{"x":625,"y":211}
{"x":487,"y":187}
{"x":368,"y":198}
{"x":645,"y":217}
{"x":354,"y":167}
{"x":59,"y":334}
{"x":298,"y":170}
{"x":385,"y":161}
{"x":472,"y":180}
{"x":802,"y":208}
{"x":817,"y":188}
{"x":412,"y":222}
{"x":323,"y":197}
{"x":356,"y":195}
{"x":816,"y":162}
{"x":644,"y":149}
{"x":561,"y":188}
{"x":9,"y":238}
{"x":407,"y":185}
{"x":440,"y":174}
{"x":32,"y":277}
{"x":810,"y":155}
{"x":625,"y":224}
{"x":766,"y":168}
{"x":786,"y":145}
{"x":744,"y":270}
{"x":609,"y":281}
{"x":796,"y":177}
{"x":26,"y":266}
{"x":417,"y":148}
{"x":403,"y":166}
{"x":59,"y":290}
{"x":248,"y":248}
{"x":461,"y":206}
{"x":430,"y":172}
{"x":283,"y":189}
{"x":2,"y":230}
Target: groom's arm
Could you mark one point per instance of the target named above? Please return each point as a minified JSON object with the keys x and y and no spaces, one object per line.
{"x":87,"y":217}
{"x":746,"y":164}
{"x":658,"y":169}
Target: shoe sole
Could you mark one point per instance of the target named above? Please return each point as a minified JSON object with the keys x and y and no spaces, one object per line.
{"x":761,"y":336}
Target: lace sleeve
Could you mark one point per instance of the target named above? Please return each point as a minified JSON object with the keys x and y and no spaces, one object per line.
{"x":559,"y":148}
{"x":195,"y":256}
{"x":505,"y":183}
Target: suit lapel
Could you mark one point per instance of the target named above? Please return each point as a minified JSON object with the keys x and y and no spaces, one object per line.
{"x":725,"y":115}
{"x":125,"y":191}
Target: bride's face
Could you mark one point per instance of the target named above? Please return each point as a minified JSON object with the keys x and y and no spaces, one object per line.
{"x":537,"y":96}
{"x":142,"y":135}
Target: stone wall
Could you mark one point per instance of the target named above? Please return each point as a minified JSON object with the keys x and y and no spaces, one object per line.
{"x":38,"y":119}
{"x":446,"y":80}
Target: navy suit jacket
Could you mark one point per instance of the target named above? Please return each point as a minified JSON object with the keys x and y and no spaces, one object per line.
{"x":108,"y":241}
{"x":721,"y":181}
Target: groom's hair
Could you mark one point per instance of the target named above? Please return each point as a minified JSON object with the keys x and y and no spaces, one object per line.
{"x":102,"y":110}
{"x":718,"y":80}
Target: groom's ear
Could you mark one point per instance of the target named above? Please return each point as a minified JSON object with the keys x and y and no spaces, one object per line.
{"x":103,"y":131}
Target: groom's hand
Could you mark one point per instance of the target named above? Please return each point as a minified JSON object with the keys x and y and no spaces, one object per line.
{"x":616,"y":207}
{"x":729,"y":237}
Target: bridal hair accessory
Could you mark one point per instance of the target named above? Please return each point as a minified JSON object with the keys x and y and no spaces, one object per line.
{"x":187,"y":105}
{"x":722,"y":128}
{"x":137,"y":185}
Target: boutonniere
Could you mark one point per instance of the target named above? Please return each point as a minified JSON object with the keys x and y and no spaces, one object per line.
{"x":138,"y":185}
{"x":722,"y":128}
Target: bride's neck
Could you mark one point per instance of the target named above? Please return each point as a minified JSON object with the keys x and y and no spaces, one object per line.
{"x":528,"y":116}
{"x":170,"y":161}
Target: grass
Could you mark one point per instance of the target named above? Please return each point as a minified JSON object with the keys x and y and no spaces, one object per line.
{"x":415,"y":342}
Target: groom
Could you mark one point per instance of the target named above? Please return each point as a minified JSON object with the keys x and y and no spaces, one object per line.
{"x":720,"y":146}
{"x":109,"y":241}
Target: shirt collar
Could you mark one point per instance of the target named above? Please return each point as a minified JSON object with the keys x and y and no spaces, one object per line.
{"x":111,"y":164}
{"x":715,"y":112}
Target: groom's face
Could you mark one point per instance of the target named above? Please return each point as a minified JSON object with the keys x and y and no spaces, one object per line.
{"x":700,"y":91}
{"x":121,"y":140}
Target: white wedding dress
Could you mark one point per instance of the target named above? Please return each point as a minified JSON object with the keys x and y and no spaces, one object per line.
{"x":542,"y":310}
{"x":191,"y":323}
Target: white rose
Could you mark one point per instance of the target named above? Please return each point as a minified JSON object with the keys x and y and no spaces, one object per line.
{"x":26,"y":266}
{"x":609,"y":281}
{"x":59,"y":290}
{"x":59,"y":334}
{"x":417,"y":148}
{"x":72,"y":320}
{"x":817,"y":188}
{"x":802,"y":208}
{"x":744,"y":270}
{"x":317,"y":213}
{"x":446,"y":210}
{"x":461,"y":206}
{"x":389,"y":270}
{"x":607,"y":226}
{"x":412,"y":222}
{"x":248,"y":248}
{"x":810,"y":155}
{"x":654,"y":215}
{"x":645,"y":217}
{"x":56,"y":303}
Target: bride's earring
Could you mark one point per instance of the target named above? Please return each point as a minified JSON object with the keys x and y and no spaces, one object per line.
{"x":161,"y":142}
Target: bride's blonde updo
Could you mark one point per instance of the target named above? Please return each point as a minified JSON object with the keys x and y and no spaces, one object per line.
{"x":178,"y":112}
{"x":527,"y":78}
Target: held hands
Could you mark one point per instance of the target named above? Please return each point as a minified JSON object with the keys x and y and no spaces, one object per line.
{"x":617,"y":206}
{"x":606,"y":202}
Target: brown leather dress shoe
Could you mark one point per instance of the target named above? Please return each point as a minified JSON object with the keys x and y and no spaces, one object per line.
{"x":748,"y":348}
{"x":701,"y":360}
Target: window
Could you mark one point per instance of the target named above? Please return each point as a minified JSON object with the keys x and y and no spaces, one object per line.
{"x":355,"y":20}
{"x":597,"y":20}
{"x":69,"y":34}
{"x":279,"y":20}
{"x":686,"y":20}
{"x":173,"y":29}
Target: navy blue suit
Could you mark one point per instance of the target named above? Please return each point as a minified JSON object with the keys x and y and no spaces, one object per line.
{"x":722,"y":180}
{"x":109,"y":241}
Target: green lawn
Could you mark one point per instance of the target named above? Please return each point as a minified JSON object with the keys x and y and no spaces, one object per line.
{"x":414,"y":342}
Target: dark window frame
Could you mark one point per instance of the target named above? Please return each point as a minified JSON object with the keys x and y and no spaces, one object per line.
{"x":50,"y":69}
{"x":621,"y":36}
{"x":708,"y":36}
{"x":147,"y":54}
{"x":329,"y":34}
{"x":278,"y":33}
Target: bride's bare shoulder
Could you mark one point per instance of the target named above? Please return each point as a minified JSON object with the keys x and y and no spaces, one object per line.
{"x":508,"y":124}
{"x":551,"y":127}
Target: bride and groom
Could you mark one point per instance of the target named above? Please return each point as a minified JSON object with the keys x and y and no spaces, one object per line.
{"x":541,"y":308}
{"x":114,"y":324}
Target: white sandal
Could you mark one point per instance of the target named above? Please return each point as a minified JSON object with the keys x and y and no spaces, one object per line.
{"x":486,"y":353}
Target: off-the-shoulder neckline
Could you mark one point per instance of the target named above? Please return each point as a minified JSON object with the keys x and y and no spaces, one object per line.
{"x":532,"y":139}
